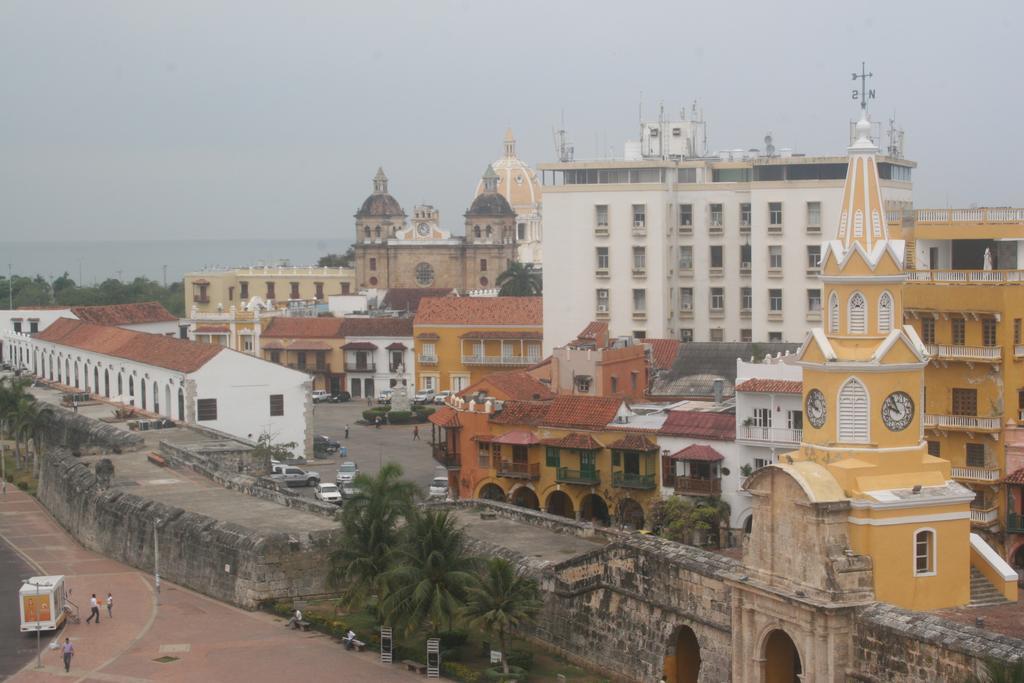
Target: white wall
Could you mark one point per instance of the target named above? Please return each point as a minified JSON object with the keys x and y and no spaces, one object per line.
{"x":381,"y":358}
{"x":167,"y":329}
{"x":46,"y":317}
{"x":739,"y":503}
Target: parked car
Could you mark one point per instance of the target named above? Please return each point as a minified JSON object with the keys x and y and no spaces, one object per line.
{"x":442,"y":396}
{"x":384,"y":397}
{"x":328,"y":493}
{"x":425,"y":396}
{"x":348,"y":490}
{"x":289,"y":475}
{"x":325,"y":444}
{"x":438,"y":488}
{"x":340,"y":398}
{"x":320,"y":395}
{"x":347,"y":472}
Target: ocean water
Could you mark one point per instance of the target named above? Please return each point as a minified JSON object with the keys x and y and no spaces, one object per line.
{"x":93,"y":262}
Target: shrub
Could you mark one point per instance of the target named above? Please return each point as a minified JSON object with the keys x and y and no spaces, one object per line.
{"x":373,"y":413}
{"x":423,"y":412}
{"x":23,"y":485}
{"x":515,"y":673}
{"x":459,"y":672}
{"x":399,"y":417}
{"x":451,"y":639}
{"x":520,"y":659}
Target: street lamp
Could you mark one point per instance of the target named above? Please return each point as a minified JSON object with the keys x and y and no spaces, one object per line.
{"x":39,"y":661}
{"x":156,"y":559}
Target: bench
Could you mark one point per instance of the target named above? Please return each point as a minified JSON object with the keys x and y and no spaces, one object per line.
{"x":303,"y":624}
{"x":415,"y":666}
{"x":157,"y":460}
{"x":488,"y":514}
{"x":358,"y":645}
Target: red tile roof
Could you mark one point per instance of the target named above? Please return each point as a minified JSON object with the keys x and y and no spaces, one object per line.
{"x":580,"y":442}
{"x":304,"y":328}
{"x":585,"y":412}
{"x":400,"y":299}
{"x":716,"y":426}
{"x":521,"y":413}
{"x":698,"y":452}
{"x":396,"y":346}
{"x":523,"y":311}
{"x":360,"y":346}
{"x":663,"y":352}
{"x":180,"y":355}
{"x":595,"y":330}
{"x":517,"y":437}
{"x":634,"y":442}
{"x":124,"y":314}
{"x":516,"y":385}
{"x":1017,"y":477}
{"x":772,"y":386}
{"x":376,"y":327}
{"x":445,"y":417}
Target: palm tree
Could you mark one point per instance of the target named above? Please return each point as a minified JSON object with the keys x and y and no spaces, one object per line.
{"x":34,"y":424}
{"x":22,"y":422}
{"x":432,"y":574}
{"x":11,"y":392}
{"x":504,"y":601}
{"x":520,"y":280}
{"x":370,"y":532}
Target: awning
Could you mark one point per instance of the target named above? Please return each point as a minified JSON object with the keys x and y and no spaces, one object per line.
{"x":517,"y":438}
{"x":212,"y":329}
{"x":634,"y":442}
{"x":396,"y":346}
{"x":273,"y":344}
{"x":577,"y":441}
{"x":303,"y":345}
{"x":360,"y":346}
{"x":698,"y":452}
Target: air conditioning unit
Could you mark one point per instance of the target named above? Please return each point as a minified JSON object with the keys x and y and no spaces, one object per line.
{"x":638,"y":224}
{"x":745,"y":265}
{"x":602,"y":308}
{"x":688,"y":308}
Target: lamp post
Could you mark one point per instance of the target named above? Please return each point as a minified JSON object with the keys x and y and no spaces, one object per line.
{"x":156,"y":559}
{"x":39,"y":661}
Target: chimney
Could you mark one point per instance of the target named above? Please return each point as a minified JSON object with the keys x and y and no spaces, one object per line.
{"x":718,"y":387}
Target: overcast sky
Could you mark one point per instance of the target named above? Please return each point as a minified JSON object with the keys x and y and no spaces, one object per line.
{"x":193,"y":119}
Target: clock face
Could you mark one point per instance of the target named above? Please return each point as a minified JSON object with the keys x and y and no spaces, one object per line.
{"x":816,"y":408}
{"x":423,"y":229}
{"x":897,"y":411}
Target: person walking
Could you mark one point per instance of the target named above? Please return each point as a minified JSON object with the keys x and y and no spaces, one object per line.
{"x":110,"y":605}
{"x":346,"y":431}
{"x":69,"y":652}
{"x":416,"y":433}
{"x":376,"y":422}
{"x":94,"y":610}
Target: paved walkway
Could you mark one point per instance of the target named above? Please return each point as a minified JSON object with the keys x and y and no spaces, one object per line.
{"x":202,"y":639}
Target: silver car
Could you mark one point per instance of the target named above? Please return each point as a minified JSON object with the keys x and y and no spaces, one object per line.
{"x":347,"y":473}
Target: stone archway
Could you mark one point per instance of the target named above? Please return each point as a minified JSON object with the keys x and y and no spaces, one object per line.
{"x":491,"y":491}
{"x":594,"y":509}
{"x":682,"y":663}
{"x":781,"y":659}
{"x":525,"y":497}
{"x":559,"y":503}
{"x":106,"y":382}
{"x":181,"y":404}
{"x":631,"y":513}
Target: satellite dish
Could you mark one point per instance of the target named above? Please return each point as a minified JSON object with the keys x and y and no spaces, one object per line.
{"x":769,"y":148}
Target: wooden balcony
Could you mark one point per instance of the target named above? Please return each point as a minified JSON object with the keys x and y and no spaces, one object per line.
{"x":985,"y":474}
{"x":447,"y":460}
{"x":971,"y":354}
{"x":519,"y":470}
{"x":962,"y":423}
{"x":1015,"y":523}
{"x":564,"y":475}
{"x":691,"y":486}
{"x":500,"y":360}
{"x":360,"y":367}
{"x":627,"y":480}
{"x":984,"y":516}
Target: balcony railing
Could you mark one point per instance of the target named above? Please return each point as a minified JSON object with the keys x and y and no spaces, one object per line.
{"x":692,"y":486}
{"x":966,"y":353}
{"x":444,"y":458}
{"x":979,"y":215}
{"x":1015,"y":523}
{"x":977,"y":277}
{"x":780,"y":435}
{"x":963,"y":422}
{"x":564,"y":475}
{"x":360,"y":367}
{"x":1018,"y":350}
{"x":519,"y":470}
{"x":976,"y":473}
{"x":428,"y":360}
{"x":499,"y":360}
{"x":628,"y":480}
{"x":984,"y":516}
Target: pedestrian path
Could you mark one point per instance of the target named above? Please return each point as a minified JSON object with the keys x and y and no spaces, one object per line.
{"x":187,"y":637}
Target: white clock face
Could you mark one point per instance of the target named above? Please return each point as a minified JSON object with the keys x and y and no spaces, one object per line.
{"x":816,"y":408}
{"x":423,"y":229}
{"x":897,"y":411}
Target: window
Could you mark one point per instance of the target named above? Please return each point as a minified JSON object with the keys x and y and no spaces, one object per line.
{"x":928,"y":330}
{"x":934,"y":448}
{"x":346,"y":287}
{"x":775,"y":336}
{"x":775,"y":300}
{"x":33,"y":326}
{"x":301,"y":360}
{"x":583,"y":383}
{"x":428,"y":383}
{"x":276,"y":405}
{"x":762,"y":417}
{"x":243,"y":290}
{"x":814,"y":301}
{"x":294,"y":290}
{"x":686,"y":298}
{"x":639,"y":258}
{"x":17,"y":326}
{"x":924,"y":552}
{"x":247,"y":344}
{"x":639,"y":215}
{"x":551,"y":457}
{"x":745,"y":256}
{"x":275,"y":357}
{"x":717,"y":300}
{"x":975,"y":453}
{"x":833,"y":313}
{"x":601,"y":215}
{"x":373,"y":263}
{"x":761,"y":462}
{"x":602,"y":300}
{"x":686,"y":258}
{"x":716,"y":215}
{"x":614,"y":384}
{"x":746,"y":335}
{"x":856,"y":315}
{"x":428,"y":351}
{"x":206,"y":409}
{"x":716,"y":256}
{"x":687,"y":175}
{"x":717,"y":334}
{"x":639,"y":334}
{"x":795,"y":419}
{"x":686,"y":335}
{"x":853,"y":412}
{"x":775,"y":214}
{"x":319,"y":294}
{"x":270,"y":290}
{"x":1016,"y":330}
{"x":775,"y":257}
{"x":746,"y":298}
{"x":483,"y":265}
{"x":965,"y":402}
{"x":483,"y":454}
{"x":424,"y":274}
{"x":814,"y":215}
{"x":686,"y":214}
{"x":602,"y":258}
{"x":885,"y":313}
{"x":958,"y":331}
{"x":639,"y":300}
{"x":988,"y":332}
{"x":745,"y":215}
{"x":814,"y":257}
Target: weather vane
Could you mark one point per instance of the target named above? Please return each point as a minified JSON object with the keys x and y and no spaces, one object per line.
{"x":863,"y":94}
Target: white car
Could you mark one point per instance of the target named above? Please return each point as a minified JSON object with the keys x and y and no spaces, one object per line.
{"x":439,"y":487}
{"x":347,"y":472}
{"x":442,"y":396}
{"x":425,"y":396}
{"x":320,"y":395}
{"x":328,"y":493}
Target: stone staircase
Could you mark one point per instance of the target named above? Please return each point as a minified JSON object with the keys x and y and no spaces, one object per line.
{"x":984,"y":593}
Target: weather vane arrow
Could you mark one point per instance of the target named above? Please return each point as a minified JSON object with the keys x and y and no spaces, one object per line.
{"x":863,"y":94}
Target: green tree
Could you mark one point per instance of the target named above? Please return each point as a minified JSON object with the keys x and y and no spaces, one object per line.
{"x":12,"y":392}
{"x":682,"y":520}
{"x":338,"y":260}
{"x":31,"y":421}
{"x":520,"y":280}
{"x":370,"y":533}
{"x":504,"y":601}
{"x":1000,"y":672}
{"x":431,"y":575}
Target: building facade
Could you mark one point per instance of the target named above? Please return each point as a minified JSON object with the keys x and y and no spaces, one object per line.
{"x":518,"y":184}
{"x":264,"y":287}
{"x":697,"y":249}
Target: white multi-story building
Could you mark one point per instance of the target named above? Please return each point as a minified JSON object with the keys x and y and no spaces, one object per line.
{"x":720,"y":248}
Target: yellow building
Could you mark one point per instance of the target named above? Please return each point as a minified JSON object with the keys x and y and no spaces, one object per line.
{"x":459,"y":340}
{"x":266,"y":287}
{"x":862,"y":448}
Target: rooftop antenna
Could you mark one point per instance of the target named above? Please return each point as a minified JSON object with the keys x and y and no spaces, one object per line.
{"x":563,"y":148}
{"x":895,"y":149}
{"x":769,"y":148}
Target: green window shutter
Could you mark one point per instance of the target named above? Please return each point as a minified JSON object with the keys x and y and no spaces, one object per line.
{"x":552,"y":457}
{"x":616,"y":458}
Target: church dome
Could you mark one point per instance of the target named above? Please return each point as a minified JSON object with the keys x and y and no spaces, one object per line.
{"x":517,"y":182}
{"x":380,"y":204}
{"x":488,"y":202}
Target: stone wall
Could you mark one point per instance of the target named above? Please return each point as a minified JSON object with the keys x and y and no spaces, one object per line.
{"x":219,"y":559}
{"x":85,"y":435}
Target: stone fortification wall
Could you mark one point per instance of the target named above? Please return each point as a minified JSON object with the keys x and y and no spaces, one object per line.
{"x":899,"y":646}
{"x":544,"y":520}
{"x":85,"y":435}
{"x":222,"y":560}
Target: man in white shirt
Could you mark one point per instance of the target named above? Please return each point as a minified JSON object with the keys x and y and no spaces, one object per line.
{"x":294,"y":621}
{"x":94,"y":610}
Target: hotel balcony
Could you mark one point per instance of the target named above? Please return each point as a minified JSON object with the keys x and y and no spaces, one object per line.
{"x":984,"y":516}
{"x":970,"y":354}
{"x":966,"y":277}
{"x":444,"y":458}
{"x":963,"y":423}
{"x":516,"y":361}
{"x":1015,"y":523}
{"x":564,"y":475}
{"x":692,"y":486}
{"x":769,"y":436}
{"x":981,"y":474}
{"x":627,"y":480}
{"x":519,"y":470}
{"x":360,"y":367}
